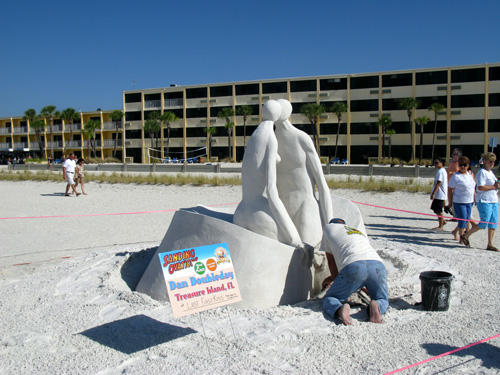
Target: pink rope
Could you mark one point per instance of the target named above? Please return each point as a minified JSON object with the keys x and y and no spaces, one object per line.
{"x":442,"y":355}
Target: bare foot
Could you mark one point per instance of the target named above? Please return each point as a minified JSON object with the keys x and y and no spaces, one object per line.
{"x":437,"y":228}
{"x":375,"y":313}
{"x":84,"y":193}
{"x":344,"y":314}
{"x":454,"y":232}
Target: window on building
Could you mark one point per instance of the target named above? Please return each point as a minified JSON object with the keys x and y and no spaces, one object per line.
{"x":23,"y":123}
{"x":440,"y":128}
{"x":432,"y":78}
{"x":254,"y":108}
{"x":196,"y":112}
{"x":249,"y":129}
{"x":152,"y":97}
{"x":468,"y":75}
{"x":296,"y":107}
{"x":133,"y":98}
{"x":195,"y":132}
{"x":148,"y":114}
{"x":198,"y":92}
{"x":426,"y":101}
{"x":393,"y":80}
{"x":467,"y":101}
{"x":401,"y":127}
{"x":301,"y":86}
{"x":333,"y":84}
{"x":248,"y":89}
{"x":133,"y":134}
{"x":364,"y":128}
{"x":467,"y":126}
{"x":331,"y":128}
{"x":133,"y":116}
{"x":174,"y":132}
{"x":221,"y":91}
{"x":214,"y":111}
{"x":177,"y":111}
{"x":273,"y":87}
{"x":494,"y":126}
{"x":364,"y":105}
{"x":364,"y":82}
{"x":390,"y":104}
{"x":494,"y":100}
{"x":494,"y":73}
{"x":173,"y":95}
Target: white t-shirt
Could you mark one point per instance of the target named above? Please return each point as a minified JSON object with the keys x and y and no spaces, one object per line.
{"x":69,"y":165}
{"x":463,"y":186}
{"x":484,"y":178}
{"x":442,"y":192}
{"x":347,"y":245}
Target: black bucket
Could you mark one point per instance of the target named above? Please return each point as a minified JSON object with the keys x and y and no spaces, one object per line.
{"x":436,"y":290}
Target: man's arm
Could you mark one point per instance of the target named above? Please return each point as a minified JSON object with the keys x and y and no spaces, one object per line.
{"x":436,"y":188}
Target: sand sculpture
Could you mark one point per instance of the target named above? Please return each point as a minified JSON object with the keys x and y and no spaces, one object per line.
{"x":272,"y":232}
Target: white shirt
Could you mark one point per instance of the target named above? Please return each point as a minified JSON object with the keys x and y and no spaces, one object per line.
{"x":347,"y":245}
{"x":463,"y":186}
{"x":484,"y":178}
{"x":442,"y":192}
{"x":69,"y":165}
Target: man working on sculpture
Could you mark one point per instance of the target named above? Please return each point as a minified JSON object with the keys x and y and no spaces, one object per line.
{"x":354,"y":264}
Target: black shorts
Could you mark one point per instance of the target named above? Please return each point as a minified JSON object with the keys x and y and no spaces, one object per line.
{"x":437,"y":206}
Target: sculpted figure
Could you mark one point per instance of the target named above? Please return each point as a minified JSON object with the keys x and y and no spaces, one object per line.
{"x":299,"y":173}
{"x":261,"y":209}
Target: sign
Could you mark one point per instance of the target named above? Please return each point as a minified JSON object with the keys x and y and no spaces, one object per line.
{"x":493,"y":142}
{"x":199,"y":278}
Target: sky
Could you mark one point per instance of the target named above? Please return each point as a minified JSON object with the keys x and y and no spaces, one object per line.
{"x":84,"y":54}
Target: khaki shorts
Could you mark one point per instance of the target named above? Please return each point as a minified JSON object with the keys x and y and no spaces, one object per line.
{"x":69,"y":177}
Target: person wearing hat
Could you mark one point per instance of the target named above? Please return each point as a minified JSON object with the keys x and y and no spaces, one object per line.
{"x":354,"y":264}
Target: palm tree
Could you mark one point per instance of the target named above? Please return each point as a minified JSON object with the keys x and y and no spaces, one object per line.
{"x":385,"y":123}
{"x":422,"y":121}
{"x":37,"y":123}
{"x":69,"y":115}
{"x":48,"y":113}
{"x":89,"y":131}
{"x":313,"y":112}
{"x":210,"y":131}
{"x":436,"y":108}
{"x":168,"y":118}
{"x":245,"y":111}
{"x":87,"y":134}
{"x":338,"y":108}
{"x":225,"y":114}
{"x":410,"y":104}
{"x":152,"y":127}
{"x":117,"y":117}
{"x":390,"y":132}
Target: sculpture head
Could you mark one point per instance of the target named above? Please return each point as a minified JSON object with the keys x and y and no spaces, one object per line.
{"x":286,"y":109}
{"x":271,"y":111}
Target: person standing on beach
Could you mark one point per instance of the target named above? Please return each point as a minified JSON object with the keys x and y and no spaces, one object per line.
{"x":354,"y":264}
{"x":69,"y":173}
{"x":79,"y":175}
{"x":486,"y":200}
{"x":439,"y":192}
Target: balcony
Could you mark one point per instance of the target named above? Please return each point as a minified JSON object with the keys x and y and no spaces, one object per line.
{"x":111,"y":125}
{"x":4,"y":145}
{"x":152,"y":104}
{"x":20,"y":145}
{"x":111,"y":143}
{"x":75,"y":127}
{"x":173,"y":102}
{"x":4,"y":130}
{"x":21,"y":129}
{"x":74,"y":144}
{"x":55,"y":144}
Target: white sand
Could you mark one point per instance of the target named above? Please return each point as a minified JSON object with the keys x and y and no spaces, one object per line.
{"x":78,"y":315}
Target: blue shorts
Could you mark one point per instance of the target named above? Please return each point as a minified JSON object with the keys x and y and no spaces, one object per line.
{"x":488,"y":213}
{"x":462,"y":211}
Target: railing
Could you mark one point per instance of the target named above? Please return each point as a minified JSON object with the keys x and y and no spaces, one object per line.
{"x":56,"y":128}
{"x":4,"y":130}
{"x":152,"y":104}
{"x":75,"y":144}
{"x":111,"y":125}
{"x":34,"y":146}
{"x":68,"y":127}
{"x":111,"y":143}
{"x":54,"y":144}
{"x":173,"y":102}
{"x":21,"y":129}
{"x":4,"y":145}
{"x":97,"y":143}
{"x":20,"y":145}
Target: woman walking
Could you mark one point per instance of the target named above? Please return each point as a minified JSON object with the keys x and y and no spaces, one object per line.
{"x":487,"y":201}
{"x":461,"y":189}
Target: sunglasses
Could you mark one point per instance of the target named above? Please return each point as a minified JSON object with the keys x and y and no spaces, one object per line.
{"x":463,"y":165}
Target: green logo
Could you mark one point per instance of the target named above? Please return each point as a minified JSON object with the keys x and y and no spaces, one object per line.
{"x":199,"y":268}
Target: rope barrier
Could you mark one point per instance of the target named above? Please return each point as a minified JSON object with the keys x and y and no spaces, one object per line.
{"x":442,"y":355}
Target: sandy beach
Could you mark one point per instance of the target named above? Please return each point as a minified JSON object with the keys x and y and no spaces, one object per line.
{"x":66,"y":305}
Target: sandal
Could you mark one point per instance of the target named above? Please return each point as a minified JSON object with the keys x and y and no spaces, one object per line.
{"x":492,"y":248}
{"x":465,"y":241}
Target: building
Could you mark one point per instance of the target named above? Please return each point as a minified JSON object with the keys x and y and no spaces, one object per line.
{"x":471,"y":116}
